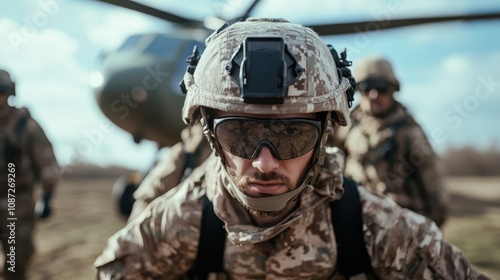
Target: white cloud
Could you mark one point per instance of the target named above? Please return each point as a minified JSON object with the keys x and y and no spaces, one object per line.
{"x":46,"y":53}
{"x":456,"y":100}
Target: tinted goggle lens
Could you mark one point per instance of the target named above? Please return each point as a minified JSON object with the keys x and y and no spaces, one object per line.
{"x":381,"y":86}
{"x":286,"y":138}
{"x":380,"y":90}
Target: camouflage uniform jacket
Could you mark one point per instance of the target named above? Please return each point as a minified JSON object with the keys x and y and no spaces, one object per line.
{"x":392,"y":155}
{"x":170,"y":169}
{"x":30,"y":151}
{"x":161,"y":243}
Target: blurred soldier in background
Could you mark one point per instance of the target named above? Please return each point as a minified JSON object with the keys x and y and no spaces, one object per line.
{"x":26,"y":156}
{"x":386,"y":149}
{"x":172,"y":168}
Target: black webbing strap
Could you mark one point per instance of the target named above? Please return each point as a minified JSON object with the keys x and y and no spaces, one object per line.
{"x":211,"y":244}
{"x":13,"y":148}
{"x":347,"y":223}
{"x":20,"y":126}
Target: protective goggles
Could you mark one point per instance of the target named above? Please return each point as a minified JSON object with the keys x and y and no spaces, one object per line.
{"x":381,"y":86}
{"x":286,"y":138}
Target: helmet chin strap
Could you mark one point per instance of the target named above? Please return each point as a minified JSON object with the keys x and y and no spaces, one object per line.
{"x":270,"y":203}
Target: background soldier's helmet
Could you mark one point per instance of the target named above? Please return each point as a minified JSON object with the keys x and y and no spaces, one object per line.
{"x":224,"y":73}
{"x":6,"y":83}
{"x":375,"y":69}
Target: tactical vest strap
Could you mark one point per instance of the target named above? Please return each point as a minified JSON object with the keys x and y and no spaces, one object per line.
{"x":20,"y":126}
{"x":13,"y":146}
{"x":347,"y":223}
{"x":353,"y":258}
{"x":211,"y":245}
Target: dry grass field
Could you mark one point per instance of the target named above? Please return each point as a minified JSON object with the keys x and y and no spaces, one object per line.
{"x":85,"y":217}
{"x":474,"y":226}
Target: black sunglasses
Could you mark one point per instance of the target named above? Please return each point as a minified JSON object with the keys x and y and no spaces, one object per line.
{"x":286,"y":138}
{"x":380,"y":90}
{"x":381,"y":86}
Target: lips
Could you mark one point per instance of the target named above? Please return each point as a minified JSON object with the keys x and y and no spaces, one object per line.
{"x":267,"y":188}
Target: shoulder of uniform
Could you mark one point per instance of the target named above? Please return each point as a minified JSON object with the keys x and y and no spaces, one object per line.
{"x":402,"y":243}
{"x":163,"y":235}
{"x":413,"y":132}
{"x":18,"y":113}
{"x":356,"y":113}
{"x":334,"y":160}
{"x":21,"y":112}
{"x":388,"y":226}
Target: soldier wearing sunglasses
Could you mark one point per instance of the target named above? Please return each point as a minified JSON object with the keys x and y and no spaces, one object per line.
{"x":387,"y":151}
{"x":271,"y":202}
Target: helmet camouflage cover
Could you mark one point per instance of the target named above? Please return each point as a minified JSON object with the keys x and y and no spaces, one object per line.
{"x":375,"y":68}
{"x":316,"y":87}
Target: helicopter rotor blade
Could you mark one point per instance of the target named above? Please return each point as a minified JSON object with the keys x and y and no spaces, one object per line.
{"x":215,"y":22}
{"x":354,"y":27}
{"x":148,"y":10}
{"x":250,"y":8}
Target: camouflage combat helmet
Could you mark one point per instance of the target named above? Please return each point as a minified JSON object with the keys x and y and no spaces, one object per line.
{"x":6,"y":84}
{"x":375,"y":69}
{"x":274,"y":67}
{"x":310,"y":83}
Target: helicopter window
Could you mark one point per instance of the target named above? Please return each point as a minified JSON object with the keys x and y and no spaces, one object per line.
{"x":163,"y":46}
{"x":130,"y":43}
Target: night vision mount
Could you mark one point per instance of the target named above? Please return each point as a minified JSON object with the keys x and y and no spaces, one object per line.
{"x":263,"y":67}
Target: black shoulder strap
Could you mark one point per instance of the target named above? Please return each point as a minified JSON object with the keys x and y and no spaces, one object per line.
{"x":347,"y":223}
{"x":20,"y":125}
{"x":211,"y":244}
{"x":189,"y":163}
{"x":13,"y":146}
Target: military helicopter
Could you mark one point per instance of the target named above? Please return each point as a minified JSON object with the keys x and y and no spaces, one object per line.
{"x":140,"y":80}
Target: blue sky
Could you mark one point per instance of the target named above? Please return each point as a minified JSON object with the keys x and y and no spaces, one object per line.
{"x":449,"y":72}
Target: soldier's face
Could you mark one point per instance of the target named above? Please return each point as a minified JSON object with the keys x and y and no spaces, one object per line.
{"x":377,"y":101}
{"x":265,"y":175}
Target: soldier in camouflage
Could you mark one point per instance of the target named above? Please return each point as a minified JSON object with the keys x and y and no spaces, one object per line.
{"x":169,"y":171}
{"x":387,"y":151}
{"x":271,"y":179}
{"x":26,"y":157}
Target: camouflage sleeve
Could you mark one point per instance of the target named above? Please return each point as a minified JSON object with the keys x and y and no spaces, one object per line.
{"x":160,"y":243}
{"x":42,"y":155}
{"x":405,"y":245}
{"x":165,"y":175}
{"x":428,"y":175}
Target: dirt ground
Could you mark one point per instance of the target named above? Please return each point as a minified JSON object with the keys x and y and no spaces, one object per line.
{"x":85,"y":217}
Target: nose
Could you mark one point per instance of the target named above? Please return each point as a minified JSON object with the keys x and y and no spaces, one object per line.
{"x":265,"y":161}
{"x":373,"y":94}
